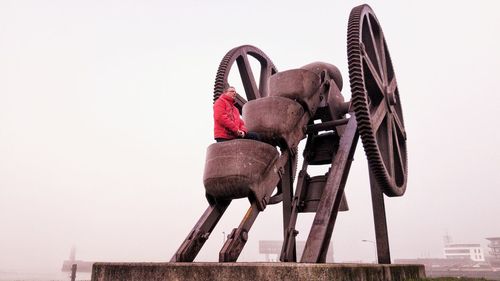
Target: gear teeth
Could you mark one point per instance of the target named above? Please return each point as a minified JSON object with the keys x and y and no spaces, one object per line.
{"x":223,"y":73}
{"x":360,"y":104}
{"x":228,"y":60}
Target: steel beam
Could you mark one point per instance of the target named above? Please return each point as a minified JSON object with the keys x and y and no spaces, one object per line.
{"x":380,"y":221}
{"x":201,"y":231}
{"x":319,"y":237}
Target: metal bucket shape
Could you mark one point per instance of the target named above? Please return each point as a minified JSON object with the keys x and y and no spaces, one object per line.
{"x":233,"y":167}
{"x":275,"y":118}
{"x":315,"y":188}
{"x":297,"y":84}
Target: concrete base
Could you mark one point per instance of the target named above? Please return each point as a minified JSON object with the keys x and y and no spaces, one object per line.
{"x":202,"y":271}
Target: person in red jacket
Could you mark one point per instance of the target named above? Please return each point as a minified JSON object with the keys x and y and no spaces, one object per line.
{"x":228,"y":124}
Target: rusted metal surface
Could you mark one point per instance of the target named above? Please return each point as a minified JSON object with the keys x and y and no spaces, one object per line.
{"x":380,"y":222}
{"x":232,"y":168}
{"x":239,"y":236}
{"x":279,"y":129}
{"x":315,"y":188}
{"x":288,"y":198}
{"x":306,"y":103}
{"x":253,"y":89}
{"x":237,"y":239}
{"x":300,"y":85}
{"x":376,"y":101}
{"x":200,"y":232}
{"x":321,"y":231}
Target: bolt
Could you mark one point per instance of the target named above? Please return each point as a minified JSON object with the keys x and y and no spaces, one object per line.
{"x":205,"y":236}
{"x":361,"y":47}
{"x":391,"y":96}
{"x":244,"y":235}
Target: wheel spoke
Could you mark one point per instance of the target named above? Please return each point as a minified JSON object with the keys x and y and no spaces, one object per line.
{"x":383,"y":134}
{"x":240,"y":101}
{"x":399,"y":125}
{"x":399,"y":161}
{"x":379,"y":115}
{"x":265,"y":73}
{"x":384,"y":60}
{"x":373,"y":71}
{"x":376,"y":46}
{"x":392,"y":85}
{"x":247,"y":77}
{"x":390,"y":148}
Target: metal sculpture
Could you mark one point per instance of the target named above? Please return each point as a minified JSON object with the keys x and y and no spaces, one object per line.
{"x":306,"y":103}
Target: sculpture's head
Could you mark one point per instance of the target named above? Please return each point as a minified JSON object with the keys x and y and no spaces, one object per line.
{"x":326,"y":71}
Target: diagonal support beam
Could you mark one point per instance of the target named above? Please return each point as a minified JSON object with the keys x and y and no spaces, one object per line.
{"x":319,"y":237}
{"x":201,"y":231}
{"x":289,"y":208}
{"x":239,"y":236}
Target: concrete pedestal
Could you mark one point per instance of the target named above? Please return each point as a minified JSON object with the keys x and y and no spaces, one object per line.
{"x":202,"y":271}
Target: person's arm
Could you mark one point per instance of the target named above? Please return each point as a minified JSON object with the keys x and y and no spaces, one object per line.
{"x":221,"y":116}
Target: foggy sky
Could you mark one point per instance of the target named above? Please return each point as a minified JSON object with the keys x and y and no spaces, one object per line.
{"x":105,"y":116}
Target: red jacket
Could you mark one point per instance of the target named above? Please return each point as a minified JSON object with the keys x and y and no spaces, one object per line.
{"x":227,"y":119}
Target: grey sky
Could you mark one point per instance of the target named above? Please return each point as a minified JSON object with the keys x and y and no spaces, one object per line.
{"x":105,"y":115}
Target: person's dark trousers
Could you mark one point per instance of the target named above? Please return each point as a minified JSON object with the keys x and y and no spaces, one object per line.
{"x":248,"y":136}
{"x":252,"y":136}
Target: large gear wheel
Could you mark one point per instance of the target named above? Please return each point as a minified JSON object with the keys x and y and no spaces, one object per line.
{"x":376,"y":101}
{"x":252,"y":89}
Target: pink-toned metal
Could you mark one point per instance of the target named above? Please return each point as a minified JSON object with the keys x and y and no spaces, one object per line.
{"x":376,"y":101}
{"x":306,"y":103}
{"x":233,"y":169}
{"x":279,"y":129}
{"x":299,"y":85}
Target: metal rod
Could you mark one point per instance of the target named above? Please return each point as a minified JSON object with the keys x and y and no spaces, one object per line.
{"x":380,"y":221}
{"x":320,"y":234}
{"x":287,"y":188}
{"x":239,"y":236}
{"x":201,"y":231}
{"x":288,"y":250}
{"x":329,"y":125}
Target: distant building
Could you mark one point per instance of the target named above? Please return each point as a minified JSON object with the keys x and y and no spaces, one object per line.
{"x":472,"y":252}
{"x":462,"y":260}
{"x":494,"y":252}
{"x":272,"y":250}
{"x":435,"y":268}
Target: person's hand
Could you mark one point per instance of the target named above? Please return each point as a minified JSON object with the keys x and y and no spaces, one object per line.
{"x":241,"y":133}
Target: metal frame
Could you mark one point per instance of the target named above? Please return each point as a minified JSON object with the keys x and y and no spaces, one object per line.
{"x":375,"y":116}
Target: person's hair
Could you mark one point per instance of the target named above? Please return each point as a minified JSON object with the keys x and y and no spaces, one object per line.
{"x":227,"y":88}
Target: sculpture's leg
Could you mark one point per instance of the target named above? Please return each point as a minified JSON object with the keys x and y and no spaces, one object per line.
{"x":290,"y":212}
{"x":383,"y":252}
{"x":317,"y":243}
{"x":200,"y":232}
{"x":288,"y":251}
{"x":239,"y":236}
